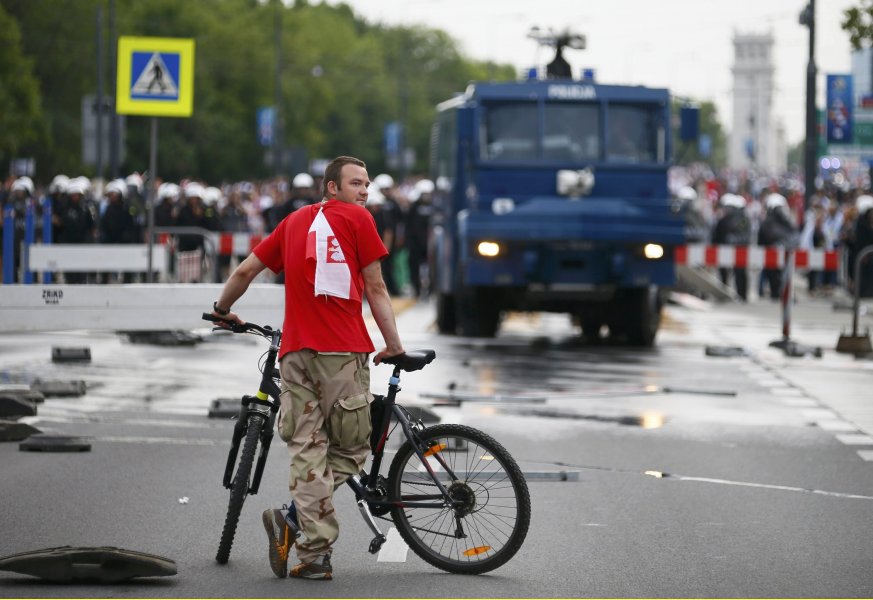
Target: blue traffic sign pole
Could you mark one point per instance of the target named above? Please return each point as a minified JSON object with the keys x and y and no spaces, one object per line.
{"x":47,"y":231}
{"x":28,"y":241}
{"x":9,"y":245}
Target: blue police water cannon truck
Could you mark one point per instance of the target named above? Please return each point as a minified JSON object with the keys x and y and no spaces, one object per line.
{"x":551,"y":195}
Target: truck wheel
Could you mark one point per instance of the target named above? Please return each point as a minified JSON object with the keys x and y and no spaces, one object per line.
{"x":643,"y":316}
{"x":478,"y":314}
{"x":446,"y":318}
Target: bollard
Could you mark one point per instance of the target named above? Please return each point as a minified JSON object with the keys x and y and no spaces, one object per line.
{"x":27,"y":276}
{"x":786,"y":344}
{"x":9,"y":245}
{"x":46,"y":231}
{"x":856,"y":344}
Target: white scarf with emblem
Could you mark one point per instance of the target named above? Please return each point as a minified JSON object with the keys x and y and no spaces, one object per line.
{"x":332,"y":274}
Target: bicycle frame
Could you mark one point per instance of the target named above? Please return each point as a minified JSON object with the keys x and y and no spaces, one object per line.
{"x":265,"y":403}
{"x":367,"y":492}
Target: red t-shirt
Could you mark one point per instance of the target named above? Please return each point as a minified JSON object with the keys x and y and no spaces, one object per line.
{"x":322,"y":323}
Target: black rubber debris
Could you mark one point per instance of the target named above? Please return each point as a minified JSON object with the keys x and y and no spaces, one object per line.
{"x":726,"y":351}
{"x":44,"y":442}
{"x":68,"y":564}
{"x":60,"y":354}
{"x":60,"y":388}
{"x":178,"y":337}
{"x":224,"y":408}
{"x":23,"y":391}
{"x":15,"y":405}
{"x":13,"y":431}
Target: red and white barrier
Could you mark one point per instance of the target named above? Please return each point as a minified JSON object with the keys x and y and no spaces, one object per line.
{"x":227,"y":244}
{"x":754,"y":257}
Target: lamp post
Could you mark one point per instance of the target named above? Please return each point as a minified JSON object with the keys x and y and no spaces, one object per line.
{"x":807,"y":17}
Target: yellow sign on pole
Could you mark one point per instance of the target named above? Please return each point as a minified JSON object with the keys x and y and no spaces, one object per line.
{"x":155,"y":77}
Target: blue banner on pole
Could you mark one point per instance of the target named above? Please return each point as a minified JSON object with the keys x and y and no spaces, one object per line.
{"x":840,"y":109}
{"x":266,"y":120}
{"x":393,"y":134}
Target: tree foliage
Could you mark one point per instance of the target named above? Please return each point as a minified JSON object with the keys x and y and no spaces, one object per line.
{"x":342,"y":80}
{"x":20,"y":113}
{"x":685,"y":153}
{"x":858,"y":23}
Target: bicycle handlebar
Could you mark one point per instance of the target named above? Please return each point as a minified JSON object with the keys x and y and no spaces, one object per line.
{"x":237,"y":328}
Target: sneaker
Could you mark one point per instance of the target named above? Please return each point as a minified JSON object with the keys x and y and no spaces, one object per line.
{"x":280,"y":535}
{"x":291,"y":519}
{"x":318,"y":569}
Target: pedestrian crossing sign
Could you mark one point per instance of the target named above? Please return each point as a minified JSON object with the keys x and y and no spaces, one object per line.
{"x":155,"y":76}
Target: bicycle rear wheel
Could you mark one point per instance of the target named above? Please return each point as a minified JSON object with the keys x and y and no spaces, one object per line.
{"x":239,"y":487}
{"x":495,"y":512}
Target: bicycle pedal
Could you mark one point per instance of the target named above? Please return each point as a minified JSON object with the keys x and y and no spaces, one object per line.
{"x":376,"y":544}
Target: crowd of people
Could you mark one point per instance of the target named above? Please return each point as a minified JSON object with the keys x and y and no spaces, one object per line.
{"x":83,"y":212}
{"x":742,"y":209}
{"x":730,"y":208}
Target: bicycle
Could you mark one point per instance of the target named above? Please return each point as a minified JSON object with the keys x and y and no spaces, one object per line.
{"x":456,"y":496}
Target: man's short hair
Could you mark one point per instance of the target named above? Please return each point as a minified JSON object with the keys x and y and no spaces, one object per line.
{"x":333,"y":171}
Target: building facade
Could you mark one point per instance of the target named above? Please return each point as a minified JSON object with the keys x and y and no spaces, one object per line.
{"x":757,"y":138}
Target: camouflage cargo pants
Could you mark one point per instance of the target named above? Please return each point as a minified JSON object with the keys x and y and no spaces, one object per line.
{"x":325,"y":420}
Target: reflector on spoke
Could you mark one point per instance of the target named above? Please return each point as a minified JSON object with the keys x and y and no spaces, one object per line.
{"x":477,"y":550}
{"x":434,"y":449}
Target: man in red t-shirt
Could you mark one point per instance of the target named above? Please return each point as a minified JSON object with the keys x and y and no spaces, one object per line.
{"x":330,"y":253}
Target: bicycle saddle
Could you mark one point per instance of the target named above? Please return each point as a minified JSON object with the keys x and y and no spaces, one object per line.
{"x":411,"y":361}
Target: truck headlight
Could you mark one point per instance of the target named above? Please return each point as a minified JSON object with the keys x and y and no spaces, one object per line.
{"x":488,"y":249}
{"x":653,"y":251}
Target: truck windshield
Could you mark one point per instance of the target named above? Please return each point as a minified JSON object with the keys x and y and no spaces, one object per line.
{"x":570,"y":132}
{"x":632,"y":134}
{"x":510,"y":131}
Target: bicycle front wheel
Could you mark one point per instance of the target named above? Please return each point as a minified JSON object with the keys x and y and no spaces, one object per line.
{"x":491,"y":521}
{"x":239,"y":487}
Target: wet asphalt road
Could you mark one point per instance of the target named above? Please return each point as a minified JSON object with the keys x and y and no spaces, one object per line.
{"x":689,"y":475}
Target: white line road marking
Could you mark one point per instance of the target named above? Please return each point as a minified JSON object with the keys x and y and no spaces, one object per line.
{"x":855,"y":439}
{"x":787,"y":391}
{"x":799,"y":402}
{"x":819,"y":414}
{"x":835,"y":425}
{"x":866,"y":454}
{"x":394,"y":549}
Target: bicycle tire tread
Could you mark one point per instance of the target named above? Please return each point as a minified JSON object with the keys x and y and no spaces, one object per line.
{"x":239,"y":492}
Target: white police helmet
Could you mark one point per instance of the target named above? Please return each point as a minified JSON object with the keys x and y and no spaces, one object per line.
{"x":424,"y":186}
{"x":79,"y":185}
{"x":864,"y":203}
{"x":194,"y":190}
{"x":118,"y":186}
{"x":59,"y":184}
{"x":134,"y":180}
{"x":168,"y":190}
{"x":383,"y":181}
{"x":374,"y":195}
{"x":212,"y":195}
{"x":686,"y":193}
{"x":775,"y":200}
{"x":23,"y":184}
{"x":303,"y":180}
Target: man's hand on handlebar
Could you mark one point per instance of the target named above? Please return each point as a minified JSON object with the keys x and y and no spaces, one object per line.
{"x":225,"y":321}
